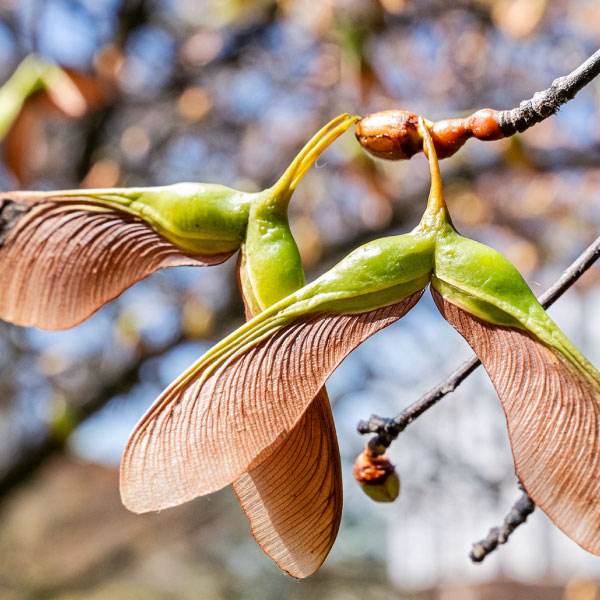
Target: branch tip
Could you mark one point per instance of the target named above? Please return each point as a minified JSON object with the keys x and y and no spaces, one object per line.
{"x":517,"y":515}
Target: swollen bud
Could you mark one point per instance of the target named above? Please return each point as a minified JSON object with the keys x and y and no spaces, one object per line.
{"x":391,"y":134}
{"x":394,"y":134}
{"x":377,"y":477}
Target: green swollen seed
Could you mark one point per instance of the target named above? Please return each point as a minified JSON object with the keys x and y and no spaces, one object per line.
{"x":270,"y":265}
{"x":200,"y":218}
{"x":273,"y":260}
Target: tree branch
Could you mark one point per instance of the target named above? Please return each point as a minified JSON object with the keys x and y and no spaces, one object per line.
{"x":394,"y":135}
{"x":387,"y":429}
{"x":547,"y":103}
{"x":518,"y":514}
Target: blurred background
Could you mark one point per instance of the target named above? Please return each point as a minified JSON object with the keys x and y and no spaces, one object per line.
{"x":227,"y":91}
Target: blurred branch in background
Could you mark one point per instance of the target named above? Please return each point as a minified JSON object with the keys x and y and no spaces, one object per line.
{"x":108,"y":385}
{"x":31,"y":75}
{"x":36,"y":85}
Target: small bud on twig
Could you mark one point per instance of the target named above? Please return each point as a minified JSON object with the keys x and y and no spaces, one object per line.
{"x":394,"y":134}
{"x":377,"y":477}
{"x":391,"y":134}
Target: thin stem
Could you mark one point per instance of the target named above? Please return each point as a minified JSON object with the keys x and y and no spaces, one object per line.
{"x":310,"y":152}
{"x":436,"y":193}
{"x":310,"y":158}
{"x":436,"y":214}
{"x":387,"y":430}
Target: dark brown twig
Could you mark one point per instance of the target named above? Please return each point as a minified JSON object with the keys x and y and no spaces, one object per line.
{"x":394,"y":134}
{"x":518,"y":514}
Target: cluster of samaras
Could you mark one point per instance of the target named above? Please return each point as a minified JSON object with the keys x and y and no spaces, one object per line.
{"x":253,"y":411}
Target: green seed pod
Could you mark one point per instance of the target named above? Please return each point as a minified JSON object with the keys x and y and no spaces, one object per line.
{"x":549,"y":391}
{"x":199,"y":218}
{"x":482,"y":281}
{"x":70,"y":252}
{"x":270,"y":264}
{"x":377,"y":274}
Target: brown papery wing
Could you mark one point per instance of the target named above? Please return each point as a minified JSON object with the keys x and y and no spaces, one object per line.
{"x":294,"y":498}
{"x":225,"y":419}
{"x":553,"y":419}
{"x":61,"y":261}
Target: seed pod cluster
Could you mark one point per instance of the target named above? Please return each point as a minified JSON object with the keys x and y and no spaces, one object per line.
{"x":223,"y":421}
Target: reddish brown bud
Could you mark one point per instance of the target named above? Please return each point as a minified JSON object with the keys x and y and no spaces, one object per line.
{"x":377,"y":477}
{"x":391,"y":134}
{"x":484,"y":125}
{"x":394,"y":134}
{"x":449,"y":135}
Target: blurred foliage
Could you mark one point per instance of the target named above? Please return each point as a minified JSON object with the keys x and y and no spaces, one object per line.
{"x":226,"y":91}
